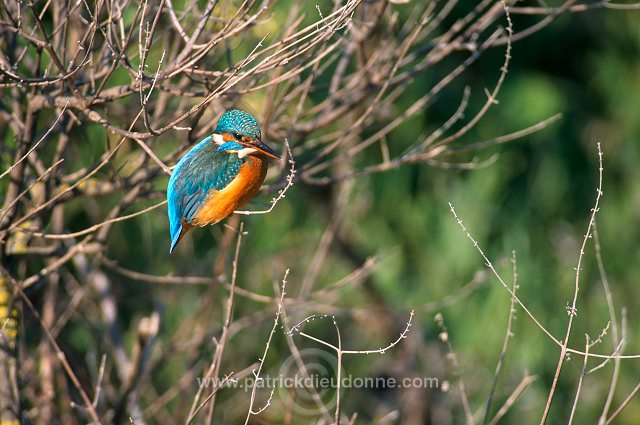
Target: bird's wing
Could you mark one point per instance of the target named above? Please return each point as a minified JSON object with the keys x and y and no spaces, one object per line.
{"x":200,"y":171}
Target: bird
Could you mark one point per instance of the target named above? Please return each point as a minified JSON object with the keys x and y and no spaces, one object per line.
{"x":218,"y":175}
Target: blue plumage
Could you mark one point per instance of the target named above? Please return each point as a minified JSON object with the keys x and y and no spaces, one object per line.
{"x":204,"y":168}
{"x":236,"y":121}
{"x":211,"y":166}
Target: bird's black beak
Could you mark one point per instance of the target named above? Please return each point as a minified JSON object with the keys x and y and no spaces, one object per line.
{"x":257,"y":144}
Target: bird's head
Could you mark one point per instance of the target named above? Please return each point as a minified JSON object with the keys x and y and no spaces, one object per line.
{"x":240,"y":127}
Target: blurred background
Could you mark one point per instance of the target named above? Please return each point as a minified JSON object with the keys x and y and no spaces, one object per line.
{"x":366,"y":249}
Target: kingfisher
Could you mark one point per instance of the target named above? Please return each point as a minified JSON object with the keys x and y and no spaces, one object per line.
{"x":218,"y":175}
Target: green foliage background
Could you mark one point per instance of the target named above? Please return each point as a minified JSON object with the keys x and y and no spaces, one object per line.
{"x":534,"y":198}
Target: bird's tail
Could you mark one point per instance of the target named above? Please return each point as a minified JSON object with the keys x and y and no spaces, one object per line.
{"x":175,"y":238}
{"x":177,"y":234}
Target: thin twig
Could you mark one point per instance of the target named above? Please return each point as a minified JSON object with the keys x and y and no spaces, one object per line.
{"x":505,"y":343}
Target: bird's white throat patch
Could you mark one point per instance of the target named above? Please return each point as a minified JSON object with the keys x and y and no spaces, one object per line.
{"x":217,"y":139}
{"x":244,"y":152}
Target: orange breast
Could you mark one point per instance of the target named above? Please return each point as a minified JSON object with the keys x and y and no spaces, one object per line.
{"x":222,"y":203}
